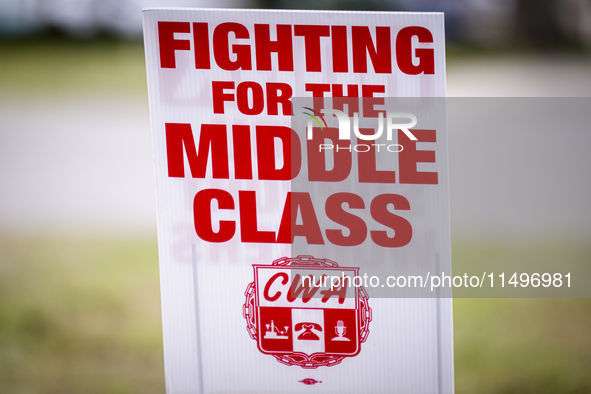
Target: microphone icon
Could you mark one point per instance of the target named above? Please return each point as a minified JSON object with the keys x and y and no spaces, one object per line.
{"x":340,"y":330}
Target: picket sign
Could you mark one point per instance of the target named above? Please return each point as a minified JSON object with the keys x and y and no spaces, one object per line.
{"x":273,"y":181}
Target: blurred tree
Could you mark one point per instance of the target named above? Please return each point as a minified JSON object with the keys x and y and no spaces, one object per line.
{"x":537,"y":24}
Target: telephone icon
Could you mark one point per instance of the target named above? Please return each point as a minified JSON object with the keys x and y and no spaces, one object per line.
{"x":308,"y":334}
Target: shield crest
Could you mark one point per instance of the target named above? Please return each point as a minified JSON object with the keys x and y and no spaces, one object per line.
{"x":306,"y":311}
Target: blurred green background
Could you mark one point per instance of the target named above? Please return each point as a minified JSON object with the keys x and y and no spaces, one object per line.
{"x":79,"y":286}
{"x":81,"y":314}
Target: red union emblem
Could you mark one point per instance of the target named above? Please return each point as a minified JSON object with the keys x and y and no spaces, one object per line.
{"x":300,"y":312}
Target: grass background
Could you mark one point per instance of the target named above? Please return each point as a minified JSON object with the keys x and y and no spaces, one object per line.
{"x":58,"y":65}
{"x":81,"y":313}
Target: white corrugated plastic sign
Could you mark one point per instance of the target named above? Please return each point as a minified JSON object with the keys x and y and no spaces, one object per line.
{"x":262,"y":184}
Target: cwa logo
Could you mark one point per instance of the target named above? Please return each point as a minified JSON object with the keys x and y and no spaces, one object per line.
{"x":345,"y":129}
{"x":304,"y":320}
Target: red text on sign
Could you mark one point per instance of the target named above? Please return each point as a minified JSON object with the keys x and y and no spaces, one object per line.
{"x":232,"y":46}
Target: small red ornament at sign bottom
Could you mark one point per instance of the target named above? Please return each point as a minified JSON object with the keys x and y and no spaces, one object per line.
{"x":309,"y":382}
